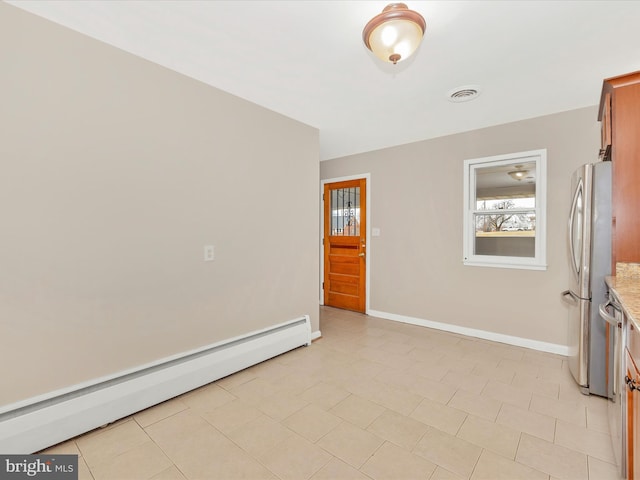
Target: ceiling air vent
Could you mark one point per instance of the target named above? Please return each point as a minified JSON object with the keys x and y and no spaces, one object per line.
{"x":463,"y":94}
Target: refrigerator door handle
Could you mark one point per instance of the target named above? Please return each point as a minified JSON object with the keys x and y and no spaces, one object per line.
{"x":568,"y":293}
{"x":572,"y":215}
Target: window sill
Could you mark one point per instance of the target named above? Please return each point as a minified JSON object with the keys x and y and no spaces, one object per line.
{"x":520,"y":266}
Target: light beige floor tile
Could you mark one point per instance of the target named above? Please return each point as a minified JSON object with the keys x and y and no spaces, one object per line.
{"x":598,"y":414}
{"x":338,"y":470}
{"x":542,"y":359}
{"x":159,"y":412}
{"x":65,"y":448}
{"x":535,"y":385}
{"x":254,"y":391}
{"x":295,"y":459}
{"x":171,"y":473}
{"x":466,"y":381}
{"x":599,"y":470}
{"x":171,"y":431}
{"x":83,"y":470}
{"x":474,"y":404}
{"x":391,"y":462}
{"x":366,"y":369}
{"x":394,"y":360}
{"x":294,"y":383}
{"x":570,"y":412}
{"x":407,"y":377}
{"x":451,"y":453}
{"x":358,"y":411}
{"x":280,"y":406}
{"x":271,"y":370}
{"x":350,"y":444}
{"x":324,"y":395}
{"x":444,"y":474}
{"x":237,"y":379}
{"x":581,"y":439}
{"x":520,"y":367}
{"x":396,"y":347}
{"x":432,"y":389}
{"x":260,"y":435}
{"x":103,"y":446}
{"x":202,"y":452}
{"x":207,"y":398}
{"x":500,"y":373}
{"x":430,"y":371}
{"x":398,"y":429}
{"x":458,"y":365}
{"x":439,"y":416}
{"x":552,"y":459}
{"x":393,"y":398}
{"x":491,"y":436}
{"x":368,"y":341}
{"x":536,"y":424}
{"x":231,"y":415}
{"x":507,"y":394}
{"x":495,"y":467}
{"x":312,"y":422}
{"x":426,"y":355}
{"x":139,"y":463}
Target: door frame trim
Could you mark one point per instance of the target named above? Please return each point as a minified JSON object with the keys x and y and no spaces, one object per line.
{"x":367,"y":177}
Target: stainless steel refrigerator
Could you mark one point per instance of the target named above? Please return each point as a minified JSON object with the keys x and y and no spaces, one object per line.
{"x":590,"y":260}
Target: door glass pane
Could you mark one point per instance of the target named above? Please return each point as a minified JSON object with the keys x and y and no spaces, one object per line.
{"x":345,"y":212}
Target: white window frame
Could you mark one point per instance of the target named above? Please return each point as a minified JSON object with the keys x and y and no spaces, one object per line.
{"x":539,"y":262}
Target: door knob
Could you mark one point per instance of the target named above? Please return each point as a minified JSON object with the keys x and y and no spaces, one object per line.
{"x":361,"y":254}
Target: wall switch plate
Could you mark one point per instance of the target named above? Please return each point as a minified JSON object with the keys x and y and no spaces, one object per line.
{"x":208,"y":253}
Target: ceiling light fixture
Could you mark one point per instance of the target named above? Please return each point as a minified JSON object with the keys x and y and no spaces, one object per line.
{"x":518,"y":174}
{"x":394,"y":34}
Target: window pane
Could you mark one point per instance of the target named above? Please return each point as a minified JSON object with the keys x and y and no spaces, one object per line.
{"x":506,"y":186}
{"x":506,"y":203}
{"x":505,"y":235}
{"x":345,"y":212}
{"x":499,"y":224}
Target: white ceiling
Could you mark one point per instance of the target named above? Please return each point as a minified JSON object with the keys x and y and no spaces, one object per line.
{"x":306,"y":59}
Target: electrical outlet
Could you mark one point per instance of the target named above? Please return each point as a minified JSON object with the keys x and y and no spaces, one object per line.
{"x":208,"y":253}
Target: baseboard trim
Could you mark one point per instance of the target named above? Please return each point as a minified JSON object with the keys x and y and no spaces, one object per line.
{"x":315,"y":335}
{"x":476,"y":333}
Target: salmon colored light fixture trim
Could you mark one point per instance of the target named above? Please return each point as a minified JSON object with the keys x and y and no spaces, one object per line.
{"x":394,"y":34}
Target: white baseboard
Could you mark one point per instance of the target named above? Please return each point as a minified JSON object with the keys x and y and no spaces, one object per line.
{"x":472,"y":332}
{"x":315,"y":335}
{"x":37,"y":423}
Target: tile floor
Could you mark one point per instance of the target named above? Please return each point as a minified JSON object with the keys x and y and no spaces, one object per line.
{"x":371,"y":399}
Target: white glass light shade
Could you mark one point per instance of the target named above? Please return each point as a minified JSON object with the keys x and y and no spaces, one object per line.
{"x":519,"y":174}
{"x":394,"y":34}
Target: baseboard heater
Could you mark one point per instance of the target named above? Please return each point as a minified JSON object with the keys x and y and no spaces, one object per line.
{"x":37,"y":423}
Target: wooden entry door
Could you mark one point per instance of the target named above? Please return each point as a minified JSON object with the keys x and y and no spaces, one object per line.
{"x":345,"y":235}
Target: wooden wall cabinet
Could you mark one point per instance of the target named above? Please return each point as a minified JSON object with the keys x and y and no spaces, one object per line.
{"x":620,"y":116}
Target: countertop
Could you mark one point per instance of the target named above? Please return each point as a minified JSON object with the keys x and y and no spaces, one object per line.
{"x":627,"y":291}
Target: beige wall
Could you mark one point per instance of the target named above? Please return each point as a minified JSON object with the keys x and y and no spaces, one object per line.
{"x":416,"y":201}
{"x":115,"y":173}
